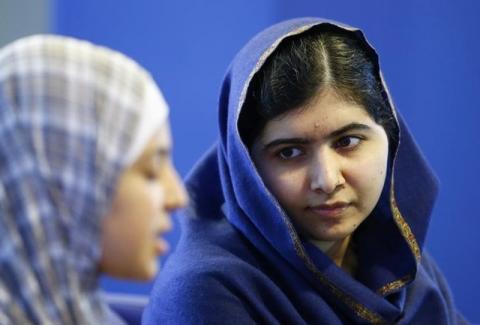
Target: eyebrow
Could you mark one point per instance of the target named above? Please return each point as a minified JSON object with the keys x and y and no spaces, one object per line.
{"x":162,"y":152}
{"x":349,"y":127}
{"x":281,"y":141}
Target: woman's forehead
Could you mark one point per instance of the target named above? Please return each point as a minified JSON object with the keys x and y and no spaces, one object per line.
{"x":324,"y":112}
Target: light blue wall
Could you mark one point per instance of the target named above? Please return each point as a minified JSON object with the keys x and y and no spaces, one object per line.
{"x":23,"y":17}
{"x":429,"y":53}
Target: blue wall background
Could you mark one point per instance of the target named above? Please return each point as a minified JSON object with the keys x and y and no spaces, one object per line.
{"x":429,"y":53}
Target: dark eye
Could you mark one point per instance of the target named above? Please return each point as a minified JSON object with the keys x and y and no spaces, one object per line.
{"x":289,"y":153}
{"x":347,"y":142}
{"x":151,"y":174}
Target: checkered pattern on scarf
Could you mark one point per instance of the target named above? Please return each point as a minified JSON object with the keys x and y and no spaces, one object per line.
{"x":73,"y":116}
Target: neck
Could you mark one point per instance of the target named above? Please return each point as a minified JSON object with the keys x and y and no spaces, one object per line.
{"x":336,"y":250}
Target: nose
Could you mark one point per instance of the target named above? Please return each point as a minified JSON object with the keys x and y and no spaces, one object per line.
{"x":175,"y":193}
{"x":325,"y":173}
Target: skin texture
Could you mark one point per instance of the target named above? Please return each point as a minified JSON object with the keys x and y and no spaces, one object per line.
{"x":307,"y":163}
{"x":146,"y":194}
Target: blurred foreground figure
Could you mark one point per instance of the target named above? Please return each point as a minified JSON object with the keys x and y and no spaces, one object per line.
{"x":86,"y":178}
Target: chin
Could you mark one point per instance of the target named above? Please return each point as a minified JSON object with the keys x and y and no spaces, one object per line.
{"x":148,"y":272}
{"x":331,"y":236}
{"x":143,"y":271}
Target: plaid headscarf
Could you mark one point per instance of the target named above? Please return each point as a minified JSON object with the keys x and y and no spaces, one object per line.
{"x":73,"y":116}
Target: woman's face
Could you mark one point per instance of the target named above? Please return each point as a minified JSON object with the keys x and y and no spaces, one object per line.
{"x":326,"y":164}
{"x":145,"y":195}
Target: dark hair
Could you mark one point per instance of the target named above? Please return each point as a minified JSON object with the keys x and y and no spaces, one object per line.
{"x":303,"y":65}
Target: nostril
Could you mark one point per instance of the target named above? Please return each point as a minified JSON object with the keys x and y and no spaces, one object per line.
{"x":326,"y":182}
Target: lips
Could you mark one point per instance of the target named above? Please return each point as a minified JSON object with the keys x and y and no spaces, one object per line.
{"x":332,"y":210}
{"x":160,"y":244}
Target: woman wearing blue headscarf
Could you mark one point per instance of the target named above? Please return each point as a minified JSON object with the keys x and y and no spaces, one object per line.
{"x":86,"y":178}
{"x":314,"y":205}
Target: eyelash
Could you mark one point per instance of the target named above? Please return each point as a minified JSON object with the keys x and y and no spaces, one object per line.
{"x":152,"y":174}
{"x":337,"y":145}
{"x":281,"y":151}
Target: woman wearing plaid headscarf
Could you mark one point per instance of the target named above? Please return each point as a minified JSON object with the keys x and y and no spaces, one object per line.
{"x":86,"y":178}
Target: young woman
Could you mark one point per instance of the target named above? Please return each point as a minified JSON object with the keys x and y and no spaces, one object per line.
{"x":86,"y":178}
{"x":314,"y":205}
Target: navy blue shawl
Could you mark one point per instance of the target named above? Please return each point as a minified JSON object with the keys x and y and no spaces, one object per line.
{"x":240,"y":260}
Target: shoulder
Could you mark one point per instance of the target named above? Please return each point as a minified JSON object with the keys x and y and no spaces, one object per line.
{"x":429,"y":276}
{"x":429,"y":268}
{"x":215,"y":265}
{"x":206,"y":281}
{"x":209,"y":291}
{"x":431,"y":284}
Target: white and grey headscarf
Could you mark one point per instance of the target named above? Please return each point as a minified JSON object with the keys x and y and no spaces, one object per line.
{"x":73,"y":116}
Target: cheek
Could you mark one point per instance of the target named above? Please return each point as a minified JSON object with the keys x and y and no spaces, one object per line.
{"x":155,"y":194}
{"x":285,"y":185}
{"x":368,"y":178}
{"x":137,"y":206}
{"x":128,"y":230}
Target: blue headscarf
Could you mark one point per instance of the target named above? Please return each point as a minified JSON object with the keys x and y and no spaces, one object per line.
{"x":400,"y":228}
{"x":73,"y":116}
{"x":261,"y":265}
